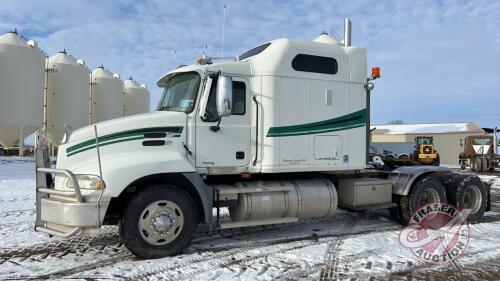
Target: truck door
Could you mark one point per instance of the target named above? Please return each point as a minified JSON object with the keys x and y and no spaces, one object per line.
{"x":230,"y":145}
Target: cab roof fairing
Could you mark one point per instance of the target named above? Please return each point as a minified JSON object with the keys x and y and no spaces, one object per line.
{"x":229,"y":67}
{"x":277,"y":57}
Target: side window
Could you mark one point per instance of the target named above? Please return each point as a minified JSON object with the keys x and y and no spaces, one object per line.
{"x":239,"y":101}
{"x":316,"y":64}
{"x":211,"y":111}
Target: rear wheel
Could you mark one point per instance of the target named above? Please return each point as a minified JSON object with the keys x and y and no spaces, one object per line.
{"x":468,"y":192}
{"x":158,"y":221}
{"x":477,"y":165}
{"x":484,"y":164}
{"x":491,"y":165}
{"x":426,"y":191}
{"x":404,"y":157}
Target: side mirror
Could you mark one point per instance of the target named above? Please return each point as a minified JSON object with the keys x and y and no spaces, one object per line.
{"x":224,"y":95}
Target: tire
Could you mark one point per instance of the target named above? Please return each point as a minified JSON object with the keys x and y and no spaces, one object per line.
{"x":395,"y":212}
{"x":436,"y":161}
{"x":452,"y":184}
{"x":390,"y":157}
{"x":170,"y":207}
{"x":468,"y":192}
{"x":404,"y":157}
{"x":491,"y":165}
{"x":414,"y":157}
{"x":484,"y":165}
{"x":477,"y":164}
{"x":430,"y":188}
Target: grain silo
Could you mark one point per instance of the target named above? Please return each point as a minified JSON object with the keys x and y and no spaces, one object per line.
{"x":68,"y":92}
{"x":107,"y":95}
{"x":22,"y":74}
{"x":136,"y":98}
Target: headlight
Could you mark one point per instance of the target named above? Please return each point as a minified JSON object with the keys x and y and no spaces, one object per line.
{"x":87,"y":182}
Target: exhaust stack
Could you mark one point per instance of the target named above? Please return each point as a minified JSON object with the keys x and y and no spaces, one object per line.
{"x":347,"y":32}
{"x":495,"y":141}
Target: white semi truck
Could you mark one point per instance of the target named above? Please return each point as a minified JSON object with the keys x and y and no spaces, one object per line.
{"x":277,"y":135}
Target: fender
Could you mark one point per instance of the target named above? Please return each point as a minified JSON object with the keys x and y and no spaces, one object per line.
{"x":206,"y":193}
{"x":403,"y":177}
{"x":123,"y":169}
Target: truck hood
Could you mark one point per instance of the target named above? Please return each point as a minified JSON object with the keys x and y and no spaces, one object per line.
{"x":129,"y":148}
{"x":129,"y":123}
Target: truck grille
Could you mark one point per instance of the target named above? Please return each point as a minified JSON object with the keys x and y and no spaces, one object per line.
{"x":427,"y":149}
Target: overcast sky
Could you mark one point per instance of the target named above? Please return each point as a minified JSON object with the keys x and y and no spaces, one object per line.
{"x":440,"y":60}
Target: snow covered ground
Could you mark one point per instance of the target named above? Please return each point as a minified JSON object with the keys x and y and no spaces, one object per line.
{"x":350,"y":246}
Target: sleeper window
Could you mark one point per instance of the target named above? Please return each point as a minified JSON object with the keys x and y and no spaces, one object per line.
{"x":316,"y":64}
{"x":239,"y":98}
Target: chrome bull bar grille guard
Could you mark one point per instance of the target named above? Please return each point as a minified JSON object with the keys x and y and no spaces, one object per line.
{"x":44,"y":191}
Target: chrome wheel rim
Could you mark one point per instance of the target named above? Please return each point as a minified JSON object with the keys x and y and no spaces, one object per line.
{"x":161,"y":222}
{"x":428,"y":196}
{"x":472,"y":198}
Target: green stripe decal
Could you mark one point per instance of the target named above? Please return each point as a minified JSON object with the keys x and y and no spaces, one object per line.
{"x":120,"y":137}
{"x":350,"y":121}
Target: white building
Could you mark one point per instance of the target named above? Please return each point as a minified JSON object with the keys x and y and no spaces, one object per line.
{"x":449,"y":138}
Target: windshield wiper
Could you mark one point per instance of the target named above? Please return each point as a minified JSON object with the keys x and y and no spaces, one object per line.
{"x":166,"y":107}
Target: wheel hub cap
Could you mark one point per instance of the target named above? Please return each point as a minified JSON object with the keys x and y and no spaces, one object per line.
{"x":427,"y":197}
{"x":161,"y":222}
{"x":472,"y":199}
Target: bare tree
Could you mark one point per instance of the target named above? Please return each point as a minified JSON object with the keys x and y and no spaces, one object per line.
{"x":396,"y":122}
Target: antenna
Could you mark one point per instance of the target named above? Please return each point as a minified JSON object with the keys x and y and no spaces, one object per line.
{"x":223,"y":30}
{"x":335,"y":34}
{"x":175,"y":55}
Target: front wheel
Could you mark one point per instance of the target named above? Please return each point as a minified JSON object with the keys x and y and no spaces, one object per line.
{"x":437,"y":161}
{"x":158,"y":221}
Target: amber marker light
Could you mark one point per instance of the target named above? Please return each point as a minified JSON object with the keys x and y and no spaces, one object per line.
{"x":375,"y":72}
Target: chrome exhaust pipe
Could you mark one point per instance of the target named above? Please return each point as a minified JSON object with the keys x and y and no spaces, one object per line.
{"x":347,"y":32}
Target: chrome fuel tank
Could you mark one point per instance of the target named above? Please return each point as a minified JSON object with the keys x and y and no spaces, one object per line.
{"x":313,"y":198}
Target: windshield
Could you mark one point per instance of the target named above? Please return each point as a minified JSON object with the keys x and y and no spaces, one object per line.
{"x":180,"y":93}
{"x":424,"y":141}
{"x":481,"y":141}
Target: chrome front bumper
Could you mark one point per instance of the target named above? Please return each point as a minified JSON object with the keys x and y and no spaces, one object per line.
{"x":62,"y":213}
